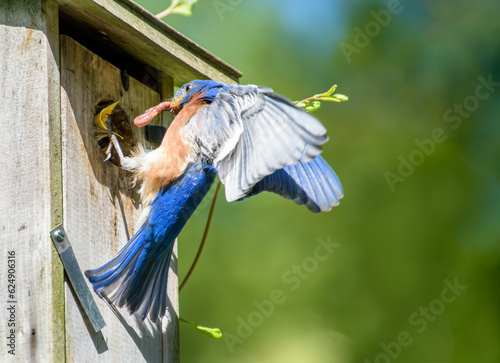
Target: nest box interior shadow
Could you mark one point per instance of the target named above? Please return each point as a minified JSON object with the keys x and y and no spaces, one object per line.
{"x":121,"y":127}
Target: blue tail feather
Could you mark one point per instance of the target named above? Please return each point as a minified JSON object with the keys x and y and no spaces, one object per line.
{"x":113,"y":270}
{"x":137,"y":276}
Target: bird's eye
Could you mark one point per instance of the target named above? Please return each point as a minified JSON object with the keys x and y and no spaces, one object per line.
{"x":188,"y":87}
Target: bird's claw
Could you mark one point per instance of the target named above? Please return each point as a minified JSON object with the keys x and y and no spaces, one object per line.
{"x":108,"y":152}
{"x":113,"y":142}
{"x":133,"y":183}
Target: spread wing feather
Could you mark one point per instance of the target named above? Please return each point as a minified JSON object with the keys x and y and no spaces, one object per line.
{"x":312,"y":183}
{"x":251,"y":132}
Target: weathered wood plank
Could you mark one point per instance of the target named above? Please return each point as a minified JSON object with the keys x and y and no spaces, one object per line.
{"x":29,"y":104}
{"x":139,"y":33}
{"x":51,"y":9}
{"x":99,"y":208}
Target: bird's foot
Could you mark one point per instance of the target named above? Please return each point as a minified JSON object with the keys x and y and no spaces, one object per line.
{"x":113,"y":143}
{"x":133,"y":183}
{"x":108,"y":152}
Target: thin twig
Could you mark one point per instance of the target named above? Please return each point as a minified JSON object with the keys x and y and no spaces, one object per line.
{"x":165,"y":12}
{"x":307,"y":99}
{"x":203,"y":240}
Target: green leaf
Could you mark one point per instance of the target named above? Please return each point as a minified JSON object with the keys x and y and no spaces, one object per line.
{"x":182,"y":7}
{"x":341,"y":97}
{"x":310,"y":106}
{"x":331,"y":99}
{"x":211,"y":332}
{"x":330,"y":91}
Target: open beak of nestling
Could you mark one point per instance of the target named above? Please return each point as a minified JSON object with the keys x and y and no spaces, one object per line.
{"x":150,"y":114}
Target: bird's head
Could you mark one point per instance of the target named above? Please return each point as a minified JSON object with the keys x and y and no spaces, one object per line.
{"x":199,"y":90}
{"x":194,"y":91}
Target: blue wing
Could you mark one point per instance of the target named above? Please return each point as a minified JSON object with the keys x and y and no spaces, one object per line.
{"x":312,"y":183}
{"x":250,"y":132}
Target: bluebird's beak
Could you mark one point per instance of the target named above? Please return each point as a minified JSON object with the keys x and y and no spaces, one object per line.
{"x":174,"y":105}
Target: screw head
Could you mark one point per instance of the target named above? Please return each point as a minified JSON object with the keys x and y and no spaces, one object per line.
{"x":59,"y":235}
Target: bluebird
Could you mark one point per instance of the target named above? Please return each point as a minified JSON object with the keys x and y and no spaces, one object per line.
{"x":252,"y":138}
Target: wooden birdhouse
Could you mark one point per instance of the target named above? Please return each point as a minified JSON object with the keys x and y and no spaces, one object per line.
{"x":61,"y":63}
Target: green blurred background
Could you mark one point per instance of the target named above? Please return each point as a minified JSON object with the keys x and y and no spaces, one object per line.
{"x":396,"y":242}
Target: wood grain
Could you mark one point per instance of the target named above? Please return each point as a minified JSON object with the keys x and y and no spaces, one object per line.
{"x":28,"y":124}
{"x":130,"y":28}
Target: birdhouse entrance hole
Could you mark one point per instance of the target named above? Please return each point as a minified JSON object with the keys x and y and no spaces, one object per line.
{"x":121,"y":128}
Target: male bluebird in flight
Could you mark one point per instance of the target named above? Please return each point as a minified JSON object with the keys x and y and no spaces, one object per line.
{"x":252,"y":138}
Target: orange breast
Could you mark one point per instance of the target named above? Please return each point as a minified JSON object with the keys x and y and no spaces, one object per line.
{"x":169,"y":161}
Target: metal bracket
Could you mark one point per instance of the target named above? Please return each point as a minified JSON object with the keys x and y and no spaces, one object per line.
{"x":76,"y":278}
